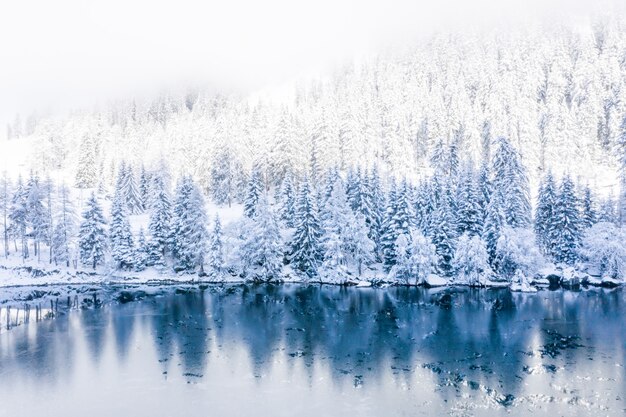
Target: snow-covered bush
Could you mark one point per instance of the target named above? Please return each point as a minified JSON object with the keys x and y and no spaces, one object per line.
{"x":517,"y":250}
{"x":416,"y":259}
{"x":604,"y":247}
{"x":471,"y":261}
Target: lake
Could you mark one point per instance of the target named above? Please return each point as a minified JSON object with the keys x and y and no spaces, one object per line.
{"x":297,"y":350}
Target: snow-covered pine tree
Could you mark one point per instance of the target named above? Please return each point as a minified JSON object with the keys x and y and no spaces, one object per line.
{"x":216,"y":251}
{"x":389,"y":233}
{"x":226,"y":176}
{"x":38,"y":223}
{"x":49,"y":189}
{"x":255,"y":191}
{"x":128,"y":191}
{"x":378,"y":206}
{"x":442,"y":233}
{"x":511,"y":180}
{"x":159,"y":226}
{"x":64,"y":228}
{"x":589,"y":216}
{"x":306,"y":250}
{"x":400,"y":219}
{"x":18,"y":216}
{"x":262,"y":253}
{"x":621,"y":157}
{"x":468,"y":208}
{"x":606,"y":212}
{"x":142,"y":252}
{"x":494,"y":221}
{"x":544,"y":213}
{"x":287,"y":201}
{"x":145,"y":192}
{"x":87,"y":170}
{"x":330,"y":179}
{"x":120,"y":236}
{"x":423,"y":206}
{"x":565,"y":229}
{"x":5,"y":187}
{"x":417,"y":258}
{"x":361,"y":246}
{"x":484,"y":187}
{"x":471,"y":260}
{"x":334,"y":267}
{"x":92,"y":234}
{"x":188,"y":234}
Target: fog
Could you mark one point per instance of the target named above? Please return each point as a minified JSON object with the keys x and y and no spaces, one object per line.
{"x":70,"y":53}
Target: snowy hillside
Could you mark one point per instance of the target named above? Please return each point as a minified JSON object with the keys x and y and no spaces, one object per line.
{"x":558,"y":93}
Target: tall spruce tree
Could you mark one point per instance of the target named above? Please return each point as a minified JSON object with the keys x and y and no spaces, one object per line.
{"x":92,"y":234}
{"x":589,"y":216}
{"x":566,"y":231}
{"x":216,"y":251}
{"x":255,"y":191}
{"x":306,"y":250}
{"x":544,"y":213}
{"x":494,"y":221}
{"x":18,"y":216}
{"x":120,"y":236}
{"x":468,"y":204}
{"x":262,"y":252}
{"x":159,"y":226}
{"x":5,"y":187}
{"x":188,"y":234}
{"x":511,"y":179}
{"x":64,"y":228}
{"x":288,"y":201}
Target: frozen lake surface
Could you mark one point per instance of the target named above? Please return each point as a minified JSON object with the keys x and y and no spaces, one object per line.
{"x":295,"y":350}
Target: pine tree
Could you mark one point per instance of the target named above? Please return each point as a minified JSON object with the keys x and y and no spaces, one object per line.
{"x":142,"y":253}
{"x":87,"y":171}
{"x":18,"y":216}
{"x":255,"y":191}
{"x":361,"y":246}
{"x":606,"y":213}
{"x":442,"y":235}
{"x":589,"y":215}
{"x":468,"y":205}
{"x":378,"y":205}
{"x":287,"y":201}
{"x":226,"y":176}
{"x":494,"y":221}
{"x":389,"y":231}
{"x":544,"y":213}
{"x":4,"y":210}
{"x":216,"y":251}
{"x":65,"y":225}
{"x":145,"y":191}
{"x":306,"y":251}
{"x":565,"y":231}
{"x":511,"y":180}
{"x":417,"y":258}
{"x":262,"y":251}
{"x":334,"y":267}
{"x":471,"y":260}
{"x":159,"y":226}
{"x":38,"y":224}
{"x":621,"y":156}
{"x":120,"y":235}
{"x":92,"y":235}
{"x":127,"y":189}
{"x":188,"y":234}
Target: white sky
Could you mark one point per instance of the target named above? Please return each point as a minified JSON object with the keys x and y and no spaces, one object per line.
{"x":68,"y":53}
